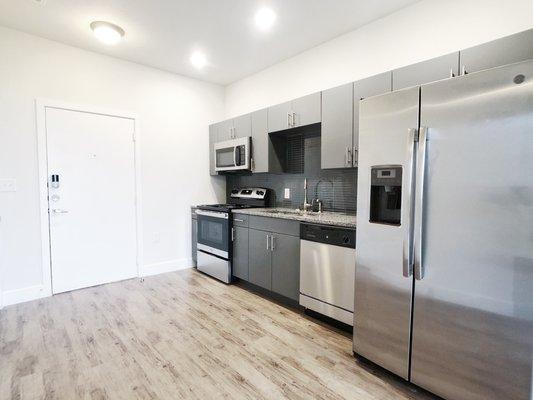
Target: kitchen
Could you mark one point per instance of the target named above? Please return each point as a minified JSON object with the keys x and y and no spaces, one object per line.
{"x":348,"y":217}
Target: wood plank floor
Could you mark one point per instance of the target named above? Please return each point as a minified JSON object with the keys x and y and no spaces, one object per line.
{"x":180,"y":335}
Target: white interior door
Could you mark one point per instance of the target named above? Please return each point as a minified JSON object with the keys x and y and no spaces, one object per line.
{"x":92,"y":211}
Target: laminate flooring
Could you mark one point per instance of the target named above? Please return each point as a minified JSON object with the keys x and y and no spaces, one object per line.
{"x":181,"y":335}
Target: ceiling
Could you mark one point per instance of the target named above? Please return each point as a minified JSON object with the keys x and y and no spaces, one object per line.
{"x":164,"y":33}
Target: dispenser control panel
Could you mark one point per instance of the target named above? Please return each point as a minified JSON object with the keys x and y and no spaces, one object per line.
{"x":386,"y":195}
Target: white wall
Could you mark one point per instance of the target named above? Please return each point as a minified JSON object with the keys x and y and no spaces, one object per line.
{"x":174,"y":113}
{"x":422,"y":31}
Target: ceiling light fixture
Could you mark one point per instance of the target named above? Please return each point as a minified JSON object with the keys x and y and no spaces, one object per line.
{"x":265,"y":18}
{"x":106,"y":32}
{"x":198,"y":59}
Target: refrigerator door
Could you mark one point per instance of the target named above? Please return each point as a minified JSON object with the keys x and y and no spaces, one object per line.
{"x":383,"y":282}
{"x":473,"y":305}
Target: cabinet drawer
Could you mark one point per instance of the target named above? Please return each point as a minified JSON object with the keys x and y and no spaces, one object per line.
{"x":240,"y":220}
{"x":277,"y":225}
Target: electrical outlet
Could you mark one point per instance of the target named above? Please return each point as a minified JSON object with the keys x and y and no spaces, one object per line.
{"x":8,"y":185}
{"x":287,"y":194}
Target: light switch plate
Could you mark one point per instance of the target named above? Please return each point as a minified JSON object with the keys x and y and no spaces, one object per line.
{"x":8,"y":185}
{"x":287,"y":194}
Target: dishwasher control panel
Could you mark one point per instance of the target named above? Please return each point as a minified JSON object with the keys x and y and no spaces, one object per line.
{"x":333,"y":235}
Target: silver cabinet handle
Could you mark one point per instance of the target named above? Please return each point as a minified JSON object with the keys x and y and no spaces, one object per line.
{"x":452,"y":74}
{"x":419,"y":203}
{"x":354,"y":157}
{"x":268,"y":242}
{"x":409,"y":204}
{"x":346,"y":157}
{"x":232,"y":234}
{"x":288,"y":120}
{"x":271,"y":242}
{"x":59,"y":211}
{"x":463,"y":70}
{"x":293,"y":119}
{"x":238,"y":220}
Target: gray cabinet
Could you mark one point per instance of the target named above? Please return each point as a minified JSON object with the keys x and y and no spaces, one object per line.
{"x":240,"y":252}
{"x":279,"y":117}
{"x":224,"y":130}
{"x":259,"y":265}
{"x":307,"y":110}
{"x":286,"y":265}
{"x":507,"y":50}
{"x":260,"y":141}
{"x":194,"y":230}
{"x":432,"y":70}
{"x":337,"y":127}
{"x":298,"y":112}
{"x":213,"y":132}
{"x":340,"y":119}
{"x":242,"y":126}
{"x":368,"y":87}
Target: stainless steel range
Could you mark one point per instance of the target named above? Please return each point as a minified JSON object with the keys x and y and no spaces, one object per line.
{"x":215,"y":231}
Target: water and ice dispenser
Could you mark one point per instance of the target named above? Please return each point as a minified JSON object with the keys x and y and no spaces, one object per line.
{"x":386,"y":195}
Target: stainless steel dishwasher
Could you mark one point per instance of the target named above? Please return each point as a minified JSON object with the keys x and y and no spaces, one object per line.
{"x":327,"y":270}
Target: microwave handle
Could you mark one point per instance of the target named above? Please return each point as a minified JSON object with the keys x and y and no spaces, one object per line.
{"x":237,"y":156}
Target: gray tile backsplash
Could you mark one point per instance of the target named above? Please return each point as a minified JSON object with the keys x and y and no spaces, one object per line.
{"x":336,"y":188}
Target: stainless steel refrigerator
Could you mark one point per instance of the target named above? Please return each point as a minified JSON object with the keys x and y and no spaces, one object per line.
{"x":444,"y":276}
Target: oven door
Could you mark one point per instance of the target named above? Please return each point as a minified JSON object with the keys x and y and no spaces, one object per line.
{"x":213,"y":234}
{"x":232,"y":155}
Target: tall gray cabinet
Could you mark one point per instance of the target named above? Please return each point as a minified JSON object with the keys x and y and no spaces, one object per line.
{"x":340,"y":119}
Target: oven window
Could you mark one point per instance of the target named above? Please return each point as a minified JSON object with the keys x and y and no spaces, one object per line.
{"x":225,"y":157}
{"x":213,"y":232}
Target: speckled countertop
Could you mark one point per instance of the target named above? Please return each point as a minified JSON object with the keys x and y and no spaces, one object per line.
{"x":325,"y":218}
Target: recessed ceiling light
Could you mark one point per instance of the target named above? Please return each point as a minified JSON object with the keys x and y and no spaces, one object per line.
{"x":198,"y":59}
{"x":106,"y":32}
{"x":265,"y":18}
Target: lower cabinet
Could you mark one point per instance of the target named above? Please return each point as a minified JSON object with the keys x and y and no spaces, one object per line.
{"x":240,"y":252}
{"x":286,"y":265}
{"x":260,"y":264}
{"x":274,"y":262}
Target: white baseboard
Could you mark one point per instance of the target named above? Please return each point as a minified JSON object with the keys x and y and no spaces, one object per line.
{"x":166,"y":266}
{"x":22,"y":295}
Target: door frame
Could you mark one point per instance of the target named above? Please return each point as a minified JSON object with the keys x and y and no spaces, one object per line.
{"x":42,"y":152}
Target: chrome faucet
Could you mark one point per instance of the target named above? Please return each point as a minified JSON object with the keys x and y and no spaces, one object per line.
{"x":306,"y":206}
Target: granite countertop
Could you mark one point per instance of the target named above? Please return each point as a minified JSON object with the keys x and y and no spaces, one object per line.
{"x":325,"y":218}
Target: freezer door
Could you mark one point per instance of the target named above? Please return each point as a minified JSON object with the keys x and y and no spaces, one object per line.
{"x":473,"y":307}
{"x":383,"y":281}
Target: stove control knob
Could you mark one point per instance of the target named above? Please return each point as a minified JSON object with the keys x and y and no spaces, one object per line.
{"x":345,"y":240}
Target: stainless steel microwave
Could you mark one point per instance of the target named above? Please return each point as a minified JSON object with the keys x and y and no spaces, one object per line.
{"x":233,"y":155}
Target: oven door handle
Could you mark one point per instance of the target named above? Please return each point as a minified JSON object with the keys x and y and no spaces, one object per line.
{"x":213,"y":214}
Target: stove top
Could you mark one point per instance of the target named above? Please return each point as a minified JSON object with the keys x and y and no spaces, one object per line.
{"x":223,"y":207}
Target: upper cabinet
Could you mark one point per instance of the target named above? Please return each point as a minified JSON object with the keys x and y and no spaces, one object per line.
{"x":427,"y":71}
{"x":340,"y":119}
{"x":299,"y":112}
{"x":337,"y":127}
{"x":508,"y":50}
{"x":234,"y":128}
{"x":260,"y":141}
{"x":368,"y":87}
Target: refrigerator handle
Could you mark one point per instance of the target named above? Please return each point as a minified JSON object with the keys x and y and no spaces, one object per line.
{"x":409,"y":204}
{"x":419,"y":202}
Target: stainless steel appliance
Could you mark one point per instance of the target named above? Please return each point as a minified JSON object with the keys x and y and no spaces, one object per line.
{"x":444,"y":265}
{"x":233,"y":155}
{"x":327,"y":269}
{"x":215,"y":231}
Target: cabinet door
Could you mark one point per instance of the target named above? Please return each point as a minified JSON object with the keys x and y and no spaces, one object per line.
{"x":368,"y":87}
{"x":507,"y":50}
{"x":240,"y":252}
{"x":337,"y":127}
{"x":307,"y":109}
{"x":427,"y":71}
{"x":259,"y":259}
{"x":278,"y":117}
{"x":194,"y":229}
{"x":225,"y":130}
{"x":286,"y":265}
{"x":213,"y":134}
{"x":260,"y":141}
{"x":242,"y":126}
